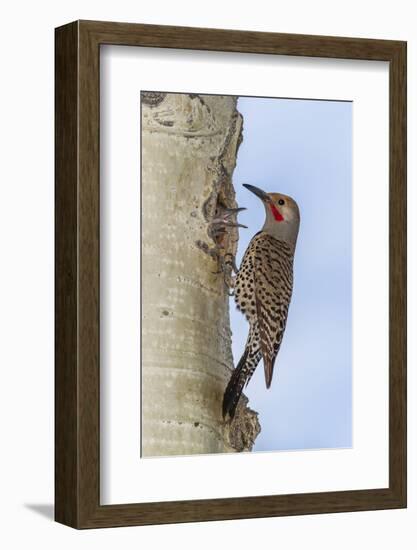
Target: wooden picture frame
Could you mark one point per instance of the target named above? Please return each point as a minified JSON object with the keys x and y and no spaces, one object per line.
{"x":77,"y":382}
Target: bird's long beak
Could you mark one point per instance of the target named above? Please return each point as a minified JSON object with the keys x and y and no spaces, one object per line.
{"x":258,"y":192}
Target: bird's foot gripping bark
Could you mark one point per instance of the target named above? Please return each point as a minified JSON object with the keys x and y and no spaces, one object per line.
{"x":226,"y":263}
{"x":220,"y":232}
{"x":227,"y":266}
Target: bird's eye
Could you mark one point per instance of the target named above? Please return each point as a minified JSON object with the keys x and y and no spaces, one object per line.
{"x":281,"y":202}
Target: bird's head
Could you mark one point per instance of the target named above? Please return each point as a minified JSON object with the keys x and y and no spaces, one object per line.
{"x":282,"y":214}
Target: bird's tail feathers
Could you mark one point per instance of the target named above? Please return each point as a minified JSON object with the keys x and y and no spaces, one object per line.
{"x":240,"y":378}
{"x":234,"y":388}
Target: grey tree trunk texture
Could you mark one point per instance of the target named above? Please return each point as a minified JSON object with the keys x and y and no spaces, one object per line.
{"x":189,"y":148}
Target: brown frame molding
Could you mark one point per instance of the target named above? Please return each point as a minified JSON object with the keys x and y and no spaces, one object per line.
{"x":77,"y":360}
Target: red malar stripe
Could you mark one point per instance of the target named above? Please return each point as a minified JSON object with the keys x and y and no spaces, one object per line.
{"x":276,"y":213}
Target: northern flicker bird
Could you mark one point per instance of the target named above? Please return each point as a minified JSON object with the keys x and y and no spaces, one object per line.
{"x":263,"y":290}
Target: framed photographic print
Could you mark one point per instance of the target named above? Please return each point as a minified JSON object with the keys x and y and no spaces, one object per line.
{"x":230,"y":274}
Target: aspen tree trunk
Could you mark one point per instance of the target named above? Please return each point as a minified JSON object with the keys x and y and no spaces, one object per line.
{"x":189,"y":148}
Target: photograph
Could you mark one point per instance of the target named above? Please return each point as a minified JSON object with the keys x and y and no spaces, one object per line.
{"x":246,"y":274}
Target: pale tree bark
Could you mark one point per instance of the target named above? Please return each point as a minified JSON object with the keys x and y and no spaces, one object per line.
{"x":189,"y":148}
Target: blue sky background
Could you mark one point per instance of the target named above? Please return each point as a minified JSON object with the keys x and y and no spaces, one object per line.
{"x":303,"y":148}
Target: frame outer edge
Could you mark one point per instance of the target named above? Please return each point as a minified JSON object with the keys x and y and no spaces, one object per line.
{"x":77,"y":275}
{"x":88,"y":274}
{"x":398,"y":274}
{"x":66,"y":274}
